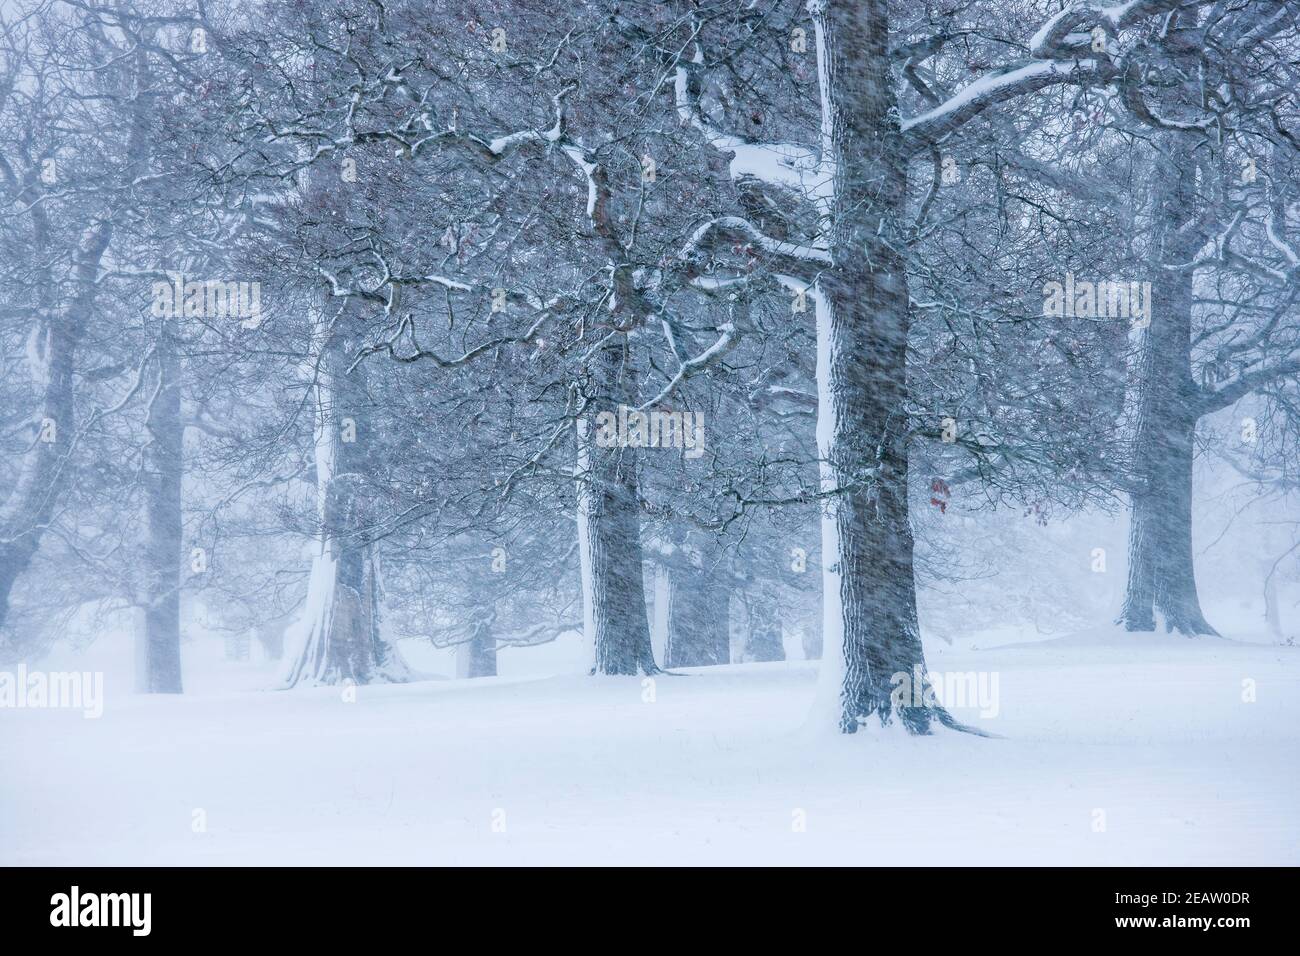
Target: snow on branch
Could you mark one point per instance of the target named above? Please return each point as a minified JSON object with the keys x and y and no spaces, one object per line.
{"x":1241,"y":385}
{"x":794,"y":253}
{"x":788,"y":165}
{"x":727,"y":338}
{"x":497,"y":147}
{"x":930,"y":127}
{"x":1068,"y":34}
{"x":406,"y":326}
{"x":1062,"y":52}
{"x":1130,"y":89}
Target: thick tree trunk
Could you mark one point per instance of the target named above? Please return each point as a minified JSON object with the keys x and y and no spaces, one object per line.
{"x":810,"y":639}
{"x":609,"y":532}
{"x":164,"y":466}
{"x":44,"y":470}
{"x":763,"y":630}
{"x":1272,"y":616}
{"x":1161,"y":576}
{"x":871,"y":631}
{"x":662,"y":593}
{"x":699,"y":610}
{"x":477,"y":657}
{"x":271,"y":638}
{"x":337,"y":636}
{"x":46,"y":467}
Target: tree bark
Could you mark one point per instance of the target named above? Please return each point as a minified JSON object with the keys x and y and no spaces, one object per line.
{"x":763,"y":630}
{"x":44,"y":470}
{"x":699,"y":610}
{"x":1161,"y":573}
{"x":1272,"y":616}
{"x":609,"y":530}
{"x":862,"y":328}
{"x":337,"y":637}
{"x":477,"y":657}
{"x":164,"y":466}
{"x":46,"y":467}
{"x":810,"y":639}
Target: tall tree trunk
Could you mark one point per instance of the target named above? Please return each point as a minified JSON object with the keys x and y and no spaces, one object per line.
{"x":477,"y":657}
{"x":763,"y":630}
{"x":810,"y":639}
{"x":164,"y":466}
{"x":1272,"y":616}
{"x":44,"y":470}
{"x":871,"y":631}
{"x":337,"y":636}
{"x":271,"y":638}
{"x":609,"y":531}
{"x":662,"y":592}
{"x":699,"y":610}
{"x":1161,"y":575}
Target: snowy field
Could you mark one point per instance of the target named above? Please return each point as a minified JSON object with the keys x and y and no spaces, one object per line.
{"x":1114,"y":749}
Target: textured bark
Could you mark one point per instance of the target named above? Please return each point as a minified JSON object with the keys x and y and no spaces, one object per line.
{"x":338,"y":637}
{"x":1161,"y":577}
{"x":164,"y":466}
{"x":609,"y":529}
{"x":862,"y":379}
{"x":699,"y":610}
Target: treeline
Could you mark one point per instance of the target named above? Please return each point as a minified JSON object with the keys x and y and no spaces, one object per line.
{"x":476,"y":322}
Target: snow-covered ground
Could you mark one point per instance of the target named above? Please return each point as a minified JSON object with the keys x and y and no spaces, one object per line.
{"x":1114,"y":749}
